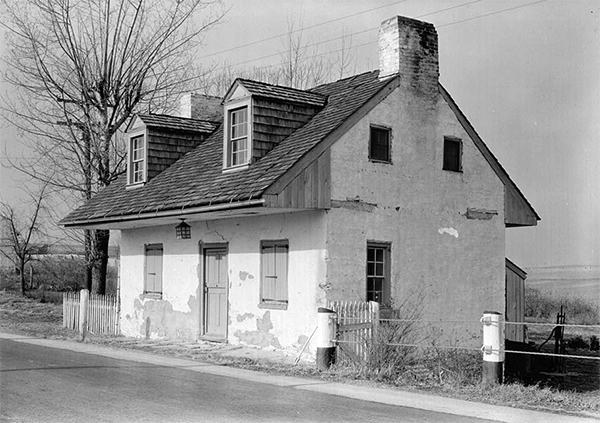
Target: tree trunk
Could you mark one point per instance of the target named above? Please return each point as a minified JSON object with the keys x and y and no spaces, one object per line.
{"x":22,"y":274}
{"x":102,"y":237}
{"x":89,"y":256}
{"x":89,"y":263}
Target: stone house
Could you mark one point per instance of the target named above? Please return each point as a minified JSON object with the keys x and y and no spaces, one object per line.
{"x":242,"y":218}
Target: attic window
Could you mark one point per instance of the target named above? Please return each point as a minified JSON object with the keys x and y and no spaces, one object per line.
{"x":238,"y":143}
{"x":379,"y":144}
{"x":137,"y":159}
{"x":452,"y":154}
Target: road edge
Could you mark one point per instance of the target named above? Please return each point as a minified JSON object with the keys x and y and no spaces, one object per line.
{"x":380,"y":395}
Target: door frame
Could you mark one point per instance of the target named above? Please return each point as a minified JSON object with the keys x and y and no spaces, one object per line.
{"x":202,"y":288}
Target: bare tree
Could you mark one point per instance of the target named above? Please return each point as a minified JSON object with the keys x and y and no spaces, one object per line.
{"x":23,"y":229}
{"x":80,"y":69}
{"x":301,"y":64}
{"x":345,"y":57}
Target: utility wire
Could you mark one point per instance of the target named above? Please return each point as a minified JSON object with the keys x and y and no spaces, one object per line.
{"x":302,"y":29}
{"x":343,"y":36}
{"x":372,"y":29}
{"x":493,"y":13}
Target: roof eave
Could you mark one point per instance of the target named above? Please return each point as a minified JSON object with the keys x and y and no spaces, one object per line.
{"x":178,"y":213}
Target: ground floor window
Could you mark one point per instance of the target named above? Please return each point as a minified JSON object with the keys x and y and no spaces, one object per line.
{"x":153,"y":269}
{"x":274,"y":274}
{"x":378,"y":272}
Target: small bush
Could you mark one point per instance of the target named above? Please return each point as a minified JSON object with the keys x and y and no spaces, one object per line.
{"x":59,"y":273}
{"x":577,"y":343}
{"x":387,"y":358}
{"x":9,"y":280}
{"x":594,"y":343}
{"x":540,"y":306}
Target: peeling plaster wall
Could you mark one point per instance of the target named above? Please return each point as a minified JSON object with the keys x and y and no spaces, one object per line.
{"x":177,"y":315}
{"x":455,"y":264}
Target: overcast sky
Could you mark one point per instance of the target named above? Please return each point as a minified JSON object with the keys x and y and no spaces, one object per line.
{"x":526,"y":73}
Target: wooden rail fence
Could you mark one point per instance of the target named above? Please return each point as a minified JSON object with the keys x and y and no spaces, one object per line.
{"x":357,"y":326}
{"x":102,"y":315}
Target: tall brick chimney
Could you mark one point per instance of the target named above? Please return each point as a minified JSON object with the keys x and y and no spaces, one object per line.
{"x":409,"y":48}
{"x":202,"y":107}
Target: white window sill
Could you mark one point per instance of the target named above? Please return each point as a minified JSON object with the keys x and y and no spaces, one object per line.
{"x":273,"y":305}
{"x":136,"y":185}
{"x":236,"y":168}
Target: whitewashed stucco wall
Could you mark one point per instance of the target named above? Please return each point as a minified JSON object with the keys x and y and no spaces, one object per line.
{"x":177,"y":314}
{"x":450,"y":265}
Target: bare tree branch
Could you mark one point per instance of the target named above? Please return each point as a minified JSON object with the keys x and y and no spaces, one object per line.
{"x":81,"y":69}
{"x":22,"y":229}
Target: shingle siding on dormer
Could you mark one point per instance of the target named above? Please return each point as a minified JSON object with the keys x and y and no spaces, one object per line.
{"x":165,"y":147}
{"x":274,"y":121}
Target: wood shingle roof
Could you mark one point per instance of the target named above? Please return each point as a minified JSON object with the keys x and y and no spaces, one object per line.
{"x":178,"y":123}
{"x":197,"y":178}
{"x":281,"y":93}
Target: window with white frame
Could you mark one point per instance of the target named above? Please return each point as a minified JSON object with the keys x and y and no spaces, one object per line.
{"x":137,"y":159}
{"x":274,"y":274}
{"x":238,"y":142}
{"x":153,"y":270}
{"x":378,"y":272}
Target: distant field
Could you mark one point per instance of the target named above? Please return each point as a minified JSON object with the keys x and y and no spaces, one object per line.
{"x":567,"y":281}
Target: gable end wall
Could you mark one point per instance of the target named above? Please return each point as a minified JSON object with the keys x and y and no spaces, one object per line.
{"x":448,"y":265}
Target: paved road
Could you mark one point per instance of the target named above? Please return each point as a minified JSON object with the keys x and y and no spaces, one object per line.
{"x":41,"y":384}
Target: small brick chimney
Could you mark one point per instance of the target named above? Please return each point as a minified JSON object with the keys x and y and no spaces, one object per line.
{"x":201,"y":107}
{"x":409,"y":48}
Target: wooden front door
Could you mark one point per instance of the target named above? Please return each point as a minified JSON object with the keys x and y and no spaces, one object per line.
{"x":215,"y":293}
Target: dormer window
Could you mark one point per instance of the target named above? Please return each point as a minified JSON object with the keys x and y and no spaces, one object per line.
{"x":238,"y":137}
{"x":137,"y":160}
{"x":259,"y":116}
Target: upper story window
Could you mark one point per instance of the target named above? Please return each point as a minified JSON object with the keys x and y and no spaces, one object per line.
{"x":452,"y":154}
{"x":137,"y":159}
{"x":238,"y":143}
{"x":380,"y":144}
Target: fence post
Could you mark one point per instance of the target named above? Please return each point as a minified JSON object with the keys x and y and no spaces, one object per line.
{"x":493,"y":347}
{"x":374,"y":306}
{"x":84,"y":298}
{"x":325,"y":338}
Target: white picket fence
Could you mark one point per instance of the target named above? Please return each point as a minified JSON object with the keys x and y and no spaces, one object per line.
{"x":102,"y":315}
{"x":357,"y":325}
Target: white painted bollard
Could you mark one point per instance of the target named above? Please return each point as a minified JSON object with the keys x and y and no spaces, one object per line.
{"x":84,"y":300}
{"x":493,"y":347}
{"x":325,"y":338}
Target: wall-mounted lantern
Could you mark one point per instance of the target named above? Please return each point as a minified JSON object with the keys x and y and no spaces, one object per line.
{"x":183,"y":230}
